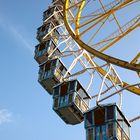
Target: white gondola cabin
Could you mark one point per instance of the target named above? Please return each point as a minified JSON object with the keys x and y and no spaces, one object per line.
{"x":106,"y":122}
{"x":44,"y":49}
{"x":54,"y":14}
{"x":47,"y":31}
{"x":70,"y":101}
{"x":51,"y":73}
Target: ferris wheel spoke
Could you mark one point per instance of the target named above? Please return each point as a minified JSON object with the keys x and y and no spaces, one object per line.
{"x":101,"y":11}
{"x":92,"y":37}
{"x":105,"y":12}
{"x":118,"y":34}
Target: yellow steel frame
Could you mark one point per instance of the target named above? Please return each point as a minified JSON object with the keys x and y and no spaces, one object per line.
{"x":110,"y":59}
{"x":136,"y":60}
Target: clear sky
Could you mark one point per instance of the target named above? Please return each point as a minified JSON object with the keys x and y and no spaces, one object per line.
{"x":25,"y":108}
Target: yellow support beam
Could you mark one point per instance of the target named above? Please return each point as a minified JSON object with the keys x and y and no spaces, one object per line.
{"x":135,"y":60}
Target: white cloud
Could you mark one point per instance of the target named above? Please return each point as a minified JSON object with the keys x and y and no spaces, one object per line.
{"x":17,"y":35}
{"x":5,"y":116}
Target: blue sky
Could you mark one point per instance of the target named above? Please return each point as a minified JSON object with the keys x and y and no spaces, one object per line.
{"x":25,"y":108}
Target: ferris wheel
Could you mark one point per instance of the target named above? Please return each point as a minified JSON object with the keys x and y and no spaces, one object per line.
{"x":79,"y":53}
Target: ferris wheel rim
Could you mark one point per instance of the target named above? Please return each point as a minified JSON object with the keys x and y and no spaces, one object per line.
{"x":107,"y":58}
